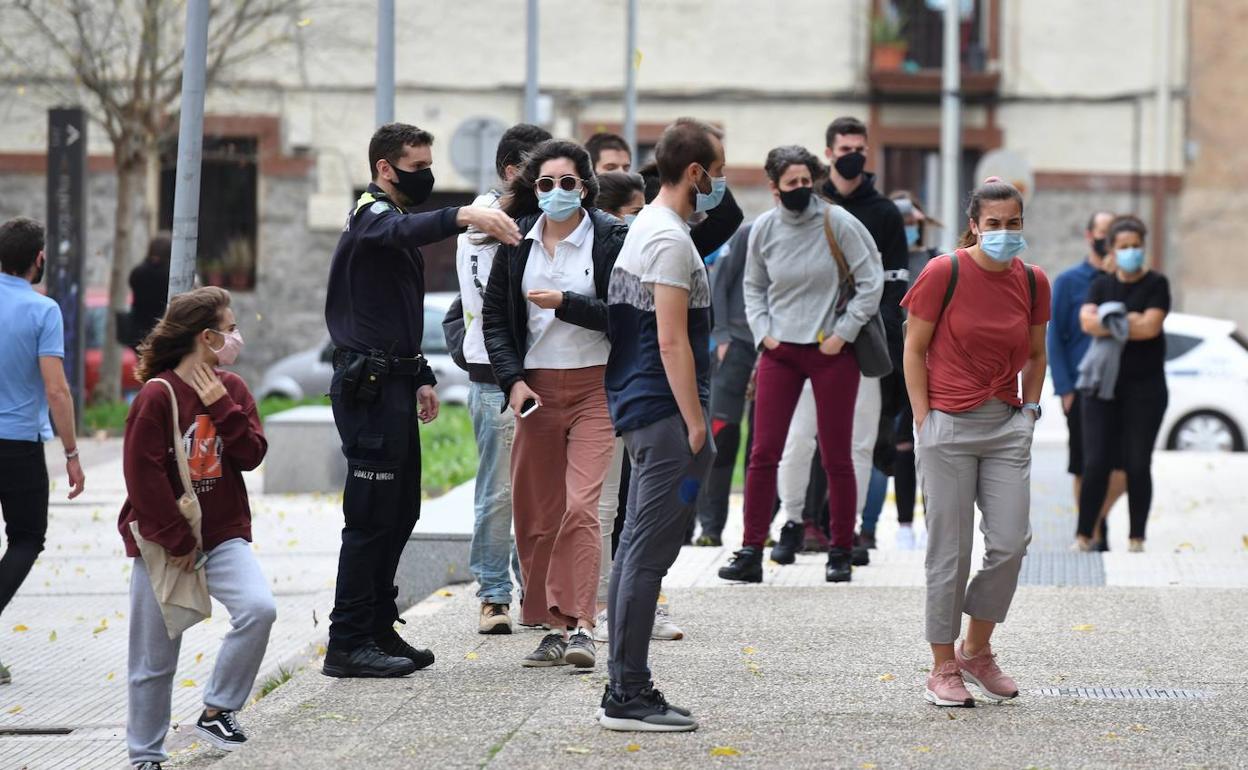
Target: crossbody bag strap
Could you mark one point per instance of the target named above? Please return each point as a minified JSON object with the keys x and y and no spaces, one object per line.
{"x":835,"y":248}
{"x":184,"y":468}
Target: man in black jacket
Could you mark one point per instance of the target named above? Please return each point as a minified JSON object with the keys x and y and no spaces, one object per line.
{"x":850,"y":186}
{"x":382,"y":389}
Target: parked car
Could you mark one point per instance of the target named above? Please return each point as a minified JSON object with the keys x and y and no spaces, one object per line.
{"x":1207,"y":373}
{"x":95,"y":322}
{"x":306,"y":374}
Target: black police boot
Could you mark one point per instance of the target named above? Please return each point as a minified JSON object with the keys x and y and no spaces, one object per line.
{"x":365,"y":662}
{"x":791,"y":535}
{"x":839,"y":569}
{"x":746,"y":566}
{"x":392,"y":644}
{"x":860,"y":556}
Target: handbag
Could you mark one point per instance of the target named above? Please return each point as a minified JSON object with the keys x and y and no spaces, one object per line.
{"x":183,"y":596}
{"x":871,"y":346}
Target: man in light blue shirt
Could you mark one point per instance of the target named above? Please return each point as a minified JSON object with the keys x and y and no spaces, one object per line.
{"x":32,"y":380}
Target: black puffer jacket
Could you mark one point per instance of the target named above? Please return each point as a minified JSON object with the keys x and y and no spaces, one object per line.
{"x":505,"y":313}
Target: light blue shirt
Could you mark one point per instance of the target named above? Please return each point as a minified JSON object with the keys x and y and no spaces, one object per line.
{"x":30,"y":328}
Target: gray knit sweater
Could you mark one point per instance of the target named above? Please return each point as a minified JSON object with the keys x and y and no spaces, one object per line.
{"x":792,"y":281}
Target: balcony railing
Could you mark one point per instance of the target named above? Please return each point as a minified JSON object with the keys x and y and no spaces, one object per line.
{"x":908,"y":46}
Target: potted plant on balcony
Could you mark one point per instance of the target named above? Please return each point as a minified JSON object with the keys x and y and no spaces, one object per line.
{"x":212,"y":272}
{"x":888,"y":47}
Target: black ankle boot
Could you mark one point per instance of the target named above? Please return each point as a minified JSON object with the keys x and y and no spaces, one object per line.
{"x":791,"y":536}
{"x":839,"y":569}
{"x":746,"y":566}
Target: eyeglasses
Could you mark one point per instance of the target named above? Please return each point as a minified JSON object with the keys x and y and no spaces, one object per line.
{"x":567,"y":182}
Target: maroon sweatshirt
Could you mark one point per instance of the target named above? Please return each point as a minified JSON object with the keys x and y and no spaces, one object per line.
{"x":221,"y":442}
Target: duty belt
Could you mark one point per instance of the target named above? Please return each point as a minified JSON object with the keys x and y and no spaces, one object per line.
{"x":403,"y":367}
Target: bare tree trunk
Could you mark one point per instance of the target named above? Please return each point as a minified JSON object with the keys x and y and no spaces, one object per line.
{"x":131,"y":170}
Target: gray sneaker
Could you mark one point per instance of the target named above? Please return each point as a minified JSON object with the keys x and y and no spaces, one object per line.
{"x":548,"y":653}
{"x":581,"y":651}
{"x":647,"y":712}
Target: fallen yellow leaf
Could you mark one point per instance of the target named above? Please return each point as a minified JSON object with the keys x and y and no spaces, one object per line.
{"x":188,"y":682}
{"x":199,"y":655}
{"x":1112,"y":737}
{"x":20,"y":628}
{"x":886,"y":677}
{"x":748,"y":650}
{"x":1245,"y":541}
{"x":444,"y":592}
{"x":923,"y":749}
{"x":868,"y":766}
{"x":52,"y":636}
{"x":471,"y":656}
{"x":112,"y":674}
{"x":1082,"y":627}
{"x":100,"y":629}
{"x":724,"y":751}
{"x":15,"y":710}
{"x":632,"y":747}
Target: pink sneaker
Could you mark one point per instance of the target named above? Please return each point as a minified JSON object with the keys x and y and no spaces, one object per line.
{"x":945,"y":687}
{"x":983,"y":672}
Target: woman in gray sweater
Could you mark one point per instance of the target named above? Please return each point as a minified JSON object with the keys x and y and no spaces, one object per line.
{"x":805,"y":331}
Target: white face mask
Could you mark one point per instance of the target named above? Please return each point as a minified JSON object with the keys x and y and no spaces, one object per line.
{"x":230,"y":349}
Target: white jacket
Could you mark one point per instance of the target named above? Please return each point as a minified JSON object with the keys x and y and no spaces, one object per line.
{"x":472,"y":288}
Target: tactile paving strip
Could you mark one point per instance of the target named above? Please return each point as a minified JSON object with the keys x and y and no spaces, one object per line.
{"x":1062,"y":568}
{"x":1124,"y":693}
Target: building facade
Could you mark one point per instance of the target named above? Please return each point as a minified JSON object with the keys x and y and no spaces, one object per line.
{"x":1070,"y":87}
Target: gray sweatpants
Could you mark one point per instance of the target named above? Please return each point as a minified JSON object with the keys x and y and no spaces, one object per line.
{"x":235,"y":580}
{"x":662,"y":501}
{"x":979,"y":456}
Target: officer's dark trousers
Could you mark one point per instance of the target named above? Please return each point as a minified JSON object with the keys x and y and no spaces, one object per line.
{"x":381,"y":503}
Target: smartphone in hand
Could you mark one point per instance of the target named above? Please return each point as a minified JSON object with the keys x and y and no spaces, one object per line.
{"x":529,"y":406}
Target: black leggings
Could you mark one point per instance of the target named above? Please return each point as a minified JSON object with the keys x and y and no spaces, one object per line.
{"x":24,"y":501}
{"x":1122,"y":430}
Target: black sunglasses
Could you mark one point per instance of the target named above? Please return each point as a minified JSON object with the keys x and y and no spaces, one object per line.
{"x":567,"y":182}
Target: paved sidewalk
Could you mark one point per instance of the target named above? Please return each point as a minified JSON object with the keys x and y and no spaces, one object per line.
{"x":1145,"y":669}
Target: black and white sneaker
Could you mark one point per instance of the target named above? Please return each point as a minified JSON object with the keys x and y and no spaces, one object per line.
{"x":647,"y":712}
{"x":148,"y":766}
{"x":548,"y":653}
{"x":581,"y":651}
{"x":606,"y":695}
{"x":221,"y":731}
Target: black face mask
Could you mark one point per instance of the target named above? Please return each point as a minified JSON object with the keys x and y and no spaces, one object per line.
{"x":1100,"y":247}
{"x":415,"y":185}
{"x":797,"y":199}
{"x":850,"y":166}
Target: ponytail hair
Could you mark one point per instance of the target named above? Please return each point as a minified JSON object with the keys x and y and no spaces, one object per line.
{"x":174,"y":336}
{"x":993,"y":189}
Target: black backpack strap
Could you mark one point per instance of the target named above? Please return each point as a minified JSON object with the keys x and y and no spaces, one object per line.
{"x":953,"y":281}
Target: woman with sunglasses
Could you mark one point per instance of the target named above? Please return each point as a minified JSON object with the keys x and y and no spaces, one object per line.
{"x":545,"y":322}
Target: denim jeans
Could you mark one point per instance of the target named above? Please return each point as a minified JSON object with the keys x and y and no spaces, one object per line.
{"x":495,"y":429}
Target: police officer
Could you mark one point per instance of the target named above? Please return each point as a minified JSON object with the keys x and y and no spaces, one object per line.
{"x":382,"y":389}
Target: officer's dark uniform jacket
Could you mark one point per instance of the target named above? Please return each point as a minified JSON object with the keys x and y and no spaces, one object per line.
{"x":505,"y":313}
{"x":376,"y":289}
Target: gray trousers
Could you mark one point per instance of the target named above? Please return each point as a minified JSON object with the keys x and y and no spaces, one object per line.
{"x":979,"y":456}
{"x":662,"y":501}
{"x":235,"y":580}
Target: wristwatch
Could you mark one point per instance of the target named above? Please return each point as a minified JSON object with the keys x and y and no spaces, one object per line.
{"x":1035,"y":408}
{"x":71,"y":454}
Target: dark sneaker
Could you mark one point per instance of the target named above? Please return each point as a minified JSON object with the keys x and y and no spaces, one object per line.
{"x":813,"y":538}
{"x":790,"y":543}
{"x":839,"y":569}
{"x":548,"y":653}
{"x":221,"y":731}
{"x":580,"y":651}
{"x":392,"y":644}
{"x":366,"y":662}
{"x":746,"y":566}
{"x":860,"y":556}
{"x":148,"y":766}
{"x":495,"y":619}
{"x":867,"y":540}
{"x":709,"y":541}
{"x":647,"y":712}
{"x":606,"y":695}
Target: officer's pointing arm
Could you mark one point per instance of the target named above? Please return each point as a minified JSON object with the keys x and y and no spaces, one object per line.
{"x":384,"y":226}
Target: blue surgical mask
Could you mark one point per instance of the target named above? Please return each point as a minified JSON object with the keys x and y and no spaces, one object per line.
{"x":1002,"y":245}
{"x":708,"y":201}
{"x":1130,"y":260}
{"x":559,"y":204}
{"x":912,"y":235}
{"x":629,"y":219}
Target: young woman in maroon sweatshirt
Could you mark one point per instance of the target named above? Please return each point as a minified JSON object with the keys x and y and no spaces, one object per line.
{"x":221,"y":433}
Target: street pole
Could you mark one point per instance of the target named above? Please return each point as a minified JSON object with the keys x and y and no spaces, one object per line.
{"x":951,"y":127}
{"x":530,"y":63}
{"x":190,"y":150}
{"x":1165,"y":16}
{"x":384,"y":98}
{"x":630,"y":79}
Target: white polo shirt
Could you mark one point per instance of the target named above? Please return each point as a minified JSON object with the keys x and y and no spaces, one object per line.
{"x":556,"y":344}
